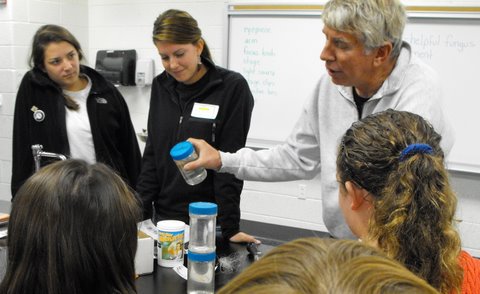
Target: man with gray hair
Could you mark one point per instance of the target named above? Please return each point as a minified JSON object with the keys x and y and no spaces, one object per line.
{"x":369,"y":69}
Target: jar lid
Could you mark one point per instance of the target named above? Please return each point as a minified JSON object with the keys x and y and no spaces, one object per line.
{"x":193,"y":256}
{"x":181,"y":150}
{"x":171,"y":225}
{"x":205,"y":208}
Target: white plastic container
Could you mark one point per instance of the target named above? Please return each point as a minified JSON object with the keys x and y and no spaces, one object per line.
{"x":170,"y":243}
{"x":182,"y":153}
{"x":203,"y":217}
{"x":144,"y":255}
{"x":201,"y":273}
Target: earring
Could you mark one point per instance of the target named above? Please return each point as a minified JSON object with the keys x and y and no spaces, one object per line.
{"x":199,"y":60}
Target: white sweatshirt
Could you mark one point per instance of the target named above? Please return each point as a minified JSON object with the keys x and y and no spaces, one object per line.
{"x":330,"y":110}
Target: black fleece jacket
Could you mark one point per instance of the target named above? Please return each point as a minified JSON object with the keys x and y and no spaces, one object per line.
{"x":170,"y":122}
{"x":113,"y":134}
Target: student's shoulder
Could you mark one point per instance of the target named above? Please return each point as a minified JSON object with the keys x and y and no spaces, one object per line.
{"x":229,"y":75}
{"x":471,"y":271}
{"x":36,"y":77}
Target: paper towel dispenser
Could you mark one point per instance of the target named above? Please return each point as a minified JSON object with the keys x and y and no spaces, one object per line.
{"x":117,"y":66}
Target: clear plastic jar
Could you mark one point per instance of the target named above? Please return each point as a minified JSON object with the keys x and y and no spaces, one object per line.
{"x":182,"y":153}
{"x":203,"y":218}
{"x":201,"y":273}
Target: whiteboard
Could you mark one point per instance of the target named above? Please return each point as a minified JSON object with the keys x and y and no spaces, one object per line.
{"x":279,"y":55}
{"x":279,"y":65}
{"x":452,"y":47}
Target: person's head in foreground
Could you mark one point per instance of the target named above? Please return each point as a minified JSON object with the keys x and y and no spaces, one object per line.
{"x":72,"y":229}
{"x":395,"y":194}
{"x":317,"y":266}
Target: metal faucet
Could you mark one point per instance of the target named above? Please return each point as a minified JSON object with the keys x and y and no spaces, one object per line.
{"x":38,"y":153}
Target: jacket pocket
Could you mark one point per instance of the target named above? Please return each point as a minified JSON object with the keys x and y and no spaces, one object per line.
{"x":201,"y":128}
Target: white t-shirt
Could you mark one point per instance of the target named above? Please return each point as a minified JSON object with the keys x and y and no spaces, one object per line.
{"x":78,"y":126}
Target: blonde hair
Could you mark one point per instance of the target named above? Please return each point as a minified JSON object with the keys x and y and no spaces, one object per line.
{"x":414,"y":205}
{"x":314,"y":265}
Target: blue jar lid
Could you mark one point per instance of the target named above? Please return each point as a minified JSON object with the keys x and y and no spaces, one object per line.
{"x":201,"y":256}
{"x":181,"y":150}
{"x":202,"y":208}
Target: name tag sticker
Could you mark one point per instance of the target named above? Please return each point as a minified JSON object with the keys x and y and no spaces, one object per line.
{"x":207,"y":111}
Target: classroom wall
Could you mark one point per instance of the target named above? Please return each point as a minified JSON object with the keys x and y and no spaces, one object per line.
{"x":295,"y":203}
{"x":126,"y":24}
{"x":19,"y":19}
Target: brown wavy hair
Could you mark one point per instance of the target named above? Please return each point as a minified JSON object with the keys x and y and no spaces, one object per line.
{"x":414,"y":205}
{"x":317,"y":266}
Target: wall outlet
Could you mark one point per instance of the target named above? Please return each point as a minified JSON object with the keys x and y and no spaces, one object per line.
{"x":302,"y":191}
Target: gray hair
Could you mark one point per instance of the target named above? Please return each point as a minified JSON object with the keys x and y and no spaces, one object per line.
{"x":374,"y":22}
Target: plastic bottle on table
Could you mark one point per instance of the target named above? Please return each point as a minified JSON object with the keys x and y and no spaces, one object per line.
{"x":203,"y":218}
{"x":201,"y":273}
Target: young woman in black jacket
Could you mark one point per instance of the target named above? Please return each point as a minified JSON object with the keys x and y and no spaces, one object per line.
{"x":70,"y":109}
{"x":192,"y":83}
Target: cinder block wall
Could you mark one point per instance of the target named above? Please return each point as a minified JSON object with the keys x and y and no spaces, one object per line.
{"x":19,"y":19}
{"x":123,"y":24}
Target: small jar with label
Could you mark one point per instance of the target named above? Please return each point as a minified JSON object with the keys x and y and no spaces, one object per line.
{"x":201,"y":273}
{"x":203,"y":218}
{"x":170,"y":243}
{"x":182,"y":153}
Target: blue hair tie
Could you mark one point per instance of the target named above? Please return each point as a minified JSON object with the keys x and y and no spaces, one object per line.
{"x":415,"y":149}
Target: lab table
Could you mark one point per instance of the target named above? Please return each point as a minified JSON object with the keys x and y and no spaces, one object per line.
{"x":167,"y":281}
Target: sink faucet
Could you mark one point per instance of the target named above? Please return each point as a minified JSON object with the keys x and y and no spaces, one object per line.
{"x":38,"y":153}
